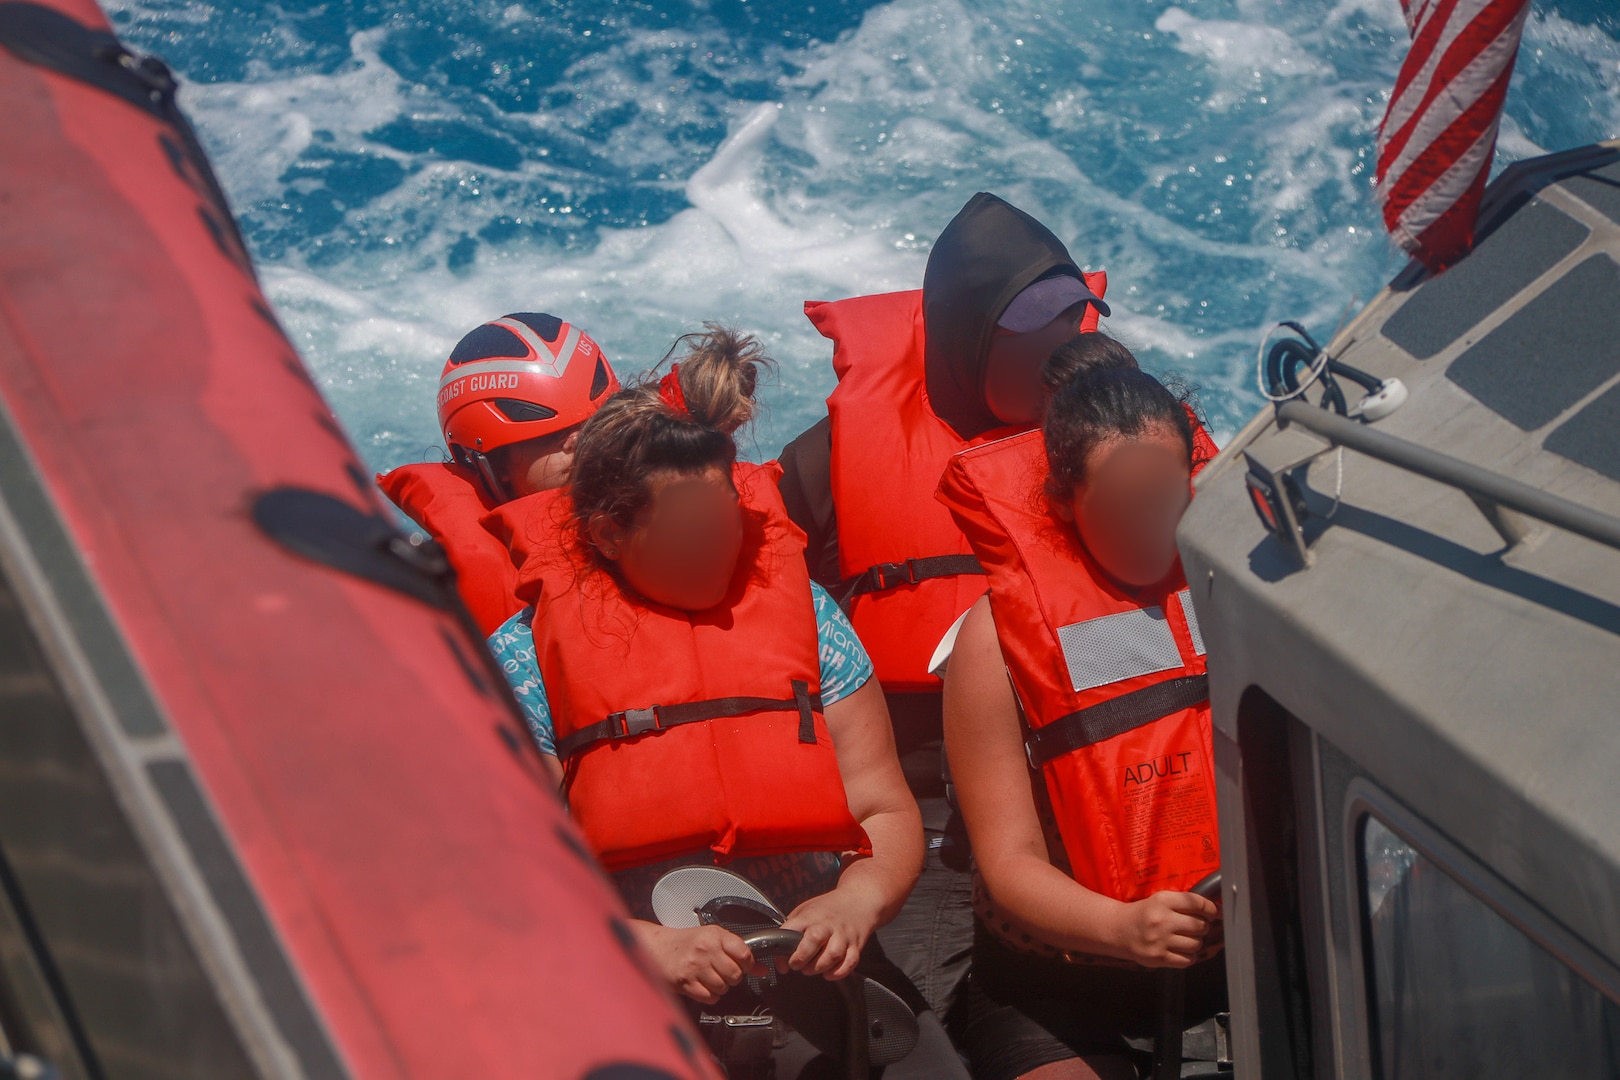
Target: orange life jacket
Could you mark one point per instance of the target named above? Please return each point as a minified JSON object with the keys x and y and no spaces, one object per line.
{"x":685,"y":733}
{"x":1112,"y":685}
{"x":910,"y":568}
{"x":446,"y":501}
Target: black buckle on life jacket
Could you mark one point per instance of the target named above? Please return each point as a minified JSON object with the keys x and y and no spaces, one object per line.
{"x":884,"y":576}
{"x":895,"y":574}
{"x":634,"y":722}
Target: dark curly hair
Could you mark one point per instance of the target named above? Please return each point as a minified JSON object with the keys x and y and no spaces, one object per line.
{"x":1101,"y":404}
{"x":1093,"y":351}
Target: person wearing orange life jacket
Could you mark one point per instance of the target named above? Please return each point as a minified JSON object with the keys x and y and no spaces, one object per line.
{"x":923,"y":375}
{"x":677,"y":642}
{"x":1087,"y":780}
{"x":512,"y":397}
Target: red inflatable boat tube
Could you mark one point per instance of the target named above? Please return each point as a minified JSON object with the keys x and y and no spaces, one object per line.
{"x":266,"y":806}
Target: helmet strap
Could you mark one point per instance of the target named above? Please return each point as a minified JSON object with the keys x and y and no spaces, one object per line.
{"x":489,"y":477}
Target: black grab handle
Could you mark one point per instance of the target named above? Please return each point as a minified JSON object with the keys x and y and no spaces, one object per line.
{"x":857,"y":1039}
{"x":771,"y":941}
{"x":1173,"y":1002}
{"x":775,"y":941}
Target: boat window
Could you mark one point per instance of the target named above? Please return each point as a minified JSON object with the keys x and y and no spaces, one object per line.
{"x":1457,"y":991}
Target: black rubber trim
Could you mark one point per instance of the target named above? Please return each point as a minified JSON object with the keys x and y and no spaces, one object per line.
{"x":278,"y":986}
{"x":1100,"y":722}
{"x":629,"y":1070}
{"x":49,"y":39}
{"x":328,"y":530}
{"x":632,"y":722}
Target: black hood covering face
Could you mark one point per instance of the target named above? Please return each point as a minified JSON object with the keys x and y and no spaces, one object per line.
{"x":989,"y":253}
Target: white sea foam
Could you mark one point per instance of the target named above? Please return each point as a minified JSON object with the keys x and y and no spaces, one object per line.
{"x":1214,"y":157}
{"x":1239,"y":50}
{"x":256,"y":130}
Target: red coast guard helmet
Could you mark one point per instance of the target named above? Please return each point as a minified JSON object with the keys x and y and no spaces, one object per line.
{"x":520,"y":377}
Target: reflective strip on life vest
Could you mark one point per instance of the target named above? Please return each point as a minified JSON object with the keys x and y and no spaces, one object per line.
{"x":1113,"y":648}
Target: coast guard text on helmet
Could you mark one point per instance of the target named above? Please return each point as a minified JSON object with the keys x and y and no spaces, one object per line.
{"x":469,"y":384}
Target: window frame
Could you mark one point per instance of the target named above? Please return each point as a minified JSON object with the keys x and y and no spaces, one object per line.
{"x":1363,"y":800}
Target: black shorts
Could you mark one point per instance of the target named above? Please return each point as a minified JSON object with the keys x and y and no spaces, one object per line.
{"x":931,"y":940}
{"x":1019,"y":1012}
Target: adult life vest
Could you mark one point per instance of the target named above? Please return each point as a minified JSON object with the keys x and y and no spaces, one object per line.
{"x":907,"y":570}
{"x":684,"y":733}
{"x":447,"y":502}
{"x":1112,"y":685}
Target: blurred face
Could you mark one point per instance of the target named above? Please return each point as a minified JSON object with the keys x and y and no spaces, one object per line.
{"x":1012,"y":377}
{"x":1126,"y":511}
{"x":682,"y":549}
{"x":539,"y":464}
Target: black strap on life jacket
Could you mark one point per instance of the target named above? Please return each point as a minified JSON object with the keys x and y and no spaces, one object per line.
{"x":632,"y":722}
{"x":893,"y":575}
{"x":1096,"y":723}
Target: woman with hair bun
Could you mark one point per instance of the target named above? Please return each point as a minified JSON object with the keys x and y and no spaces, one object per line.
{"x":709,"y":704}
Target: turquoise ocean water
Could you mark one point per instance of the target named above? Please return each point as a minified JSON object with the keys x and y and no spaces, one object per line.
{"x":404,"y":172}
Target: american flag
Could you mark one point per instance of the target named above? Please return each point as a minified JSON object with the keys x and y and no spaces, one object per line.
{"x":1436,"y":141}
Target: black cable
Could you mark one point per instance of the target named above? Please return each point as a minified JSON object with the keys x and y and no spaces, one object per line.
{"x":1287,"y":356}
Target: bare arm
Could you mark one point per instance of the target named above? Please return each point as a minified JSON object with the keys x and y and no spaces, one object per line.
{"x":870,"y":891}
{"x":554,"y":769}
{"x":985,"y":746}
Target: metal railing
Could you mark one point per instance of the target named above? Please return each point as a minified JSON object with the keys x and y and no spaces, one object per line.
{"x":1491,"y":492}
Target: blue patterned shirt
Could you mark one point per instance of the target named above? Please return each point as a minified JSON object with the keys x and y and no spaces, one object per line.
{"x":845,"y":667}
